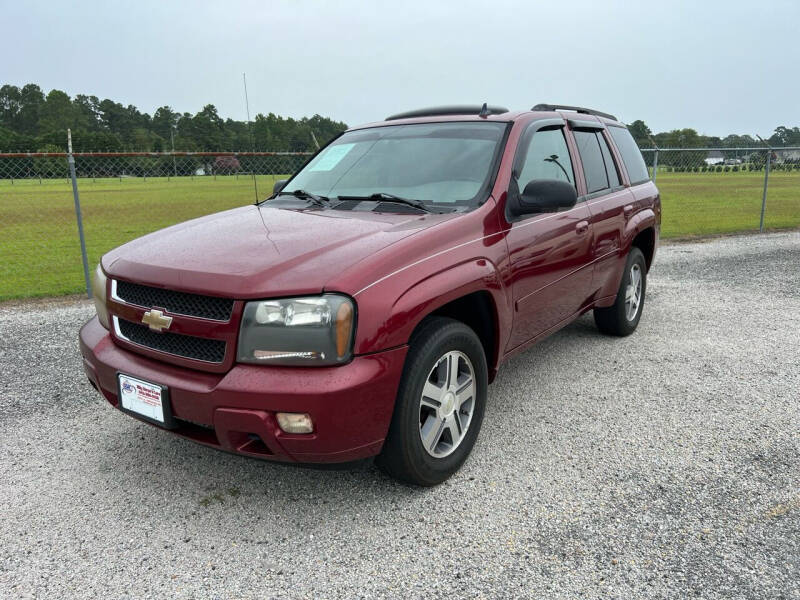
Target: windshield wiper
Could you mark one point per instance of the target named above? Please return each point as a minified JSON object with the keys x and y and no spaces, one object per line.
{"x":304,"y":195}
{"x":384,"y":197}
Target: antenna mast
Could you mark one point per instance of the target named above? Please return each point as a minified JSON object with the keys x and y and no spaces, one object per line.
{"x":250,"y":130}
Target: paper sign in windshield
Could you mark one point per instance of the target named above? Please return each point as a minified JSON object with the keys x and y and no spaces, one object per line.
{"x":331,"y":157}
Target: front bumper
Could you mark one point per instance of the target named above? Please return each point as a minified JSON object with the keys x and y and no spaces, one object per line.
{"x":351,"y":405}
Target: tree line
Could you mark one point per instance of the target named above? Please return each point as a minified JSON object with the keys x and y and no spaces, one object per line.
{"x":696,"y":161}
{"x":32,"y":121}
{"x":689,"y":138}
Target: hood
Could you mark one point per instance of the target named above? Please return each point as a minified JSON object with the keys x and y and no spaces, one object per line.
{"x":252,"y":252}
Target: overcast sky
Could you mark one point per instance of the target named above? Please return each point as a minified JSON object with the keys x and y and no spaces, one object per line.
{"x":717,"y":66}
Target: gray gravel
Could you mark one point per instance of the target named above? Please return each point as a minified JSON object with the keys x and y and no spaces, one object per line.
{"x":663,"y":465}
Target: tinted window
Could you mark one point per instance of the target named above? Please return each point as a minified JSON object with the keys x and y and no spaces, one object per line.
{"x":634,"y":163}
{"x":611,"y":168}
{"x":594,"y":168}
{"x":546,"y":157}
{"x":446,"y":163}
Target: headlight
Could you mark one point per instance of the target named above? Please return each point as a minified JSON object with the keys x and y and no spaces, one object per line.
{"x":311,"y":331}
{"x":99,"y":280}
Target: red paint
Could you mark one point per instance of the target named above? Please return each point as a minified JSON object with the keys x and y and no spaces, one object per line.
{"x":540,"y":272}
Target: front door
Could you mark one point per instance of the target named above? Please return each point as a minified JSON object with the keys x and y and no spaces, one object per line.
{"x":549,"y":254}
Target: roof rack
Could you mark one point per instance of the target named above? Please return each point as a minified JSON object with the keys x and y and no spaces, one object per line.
{"x":437,"y":111}
{"x":585,"y":111}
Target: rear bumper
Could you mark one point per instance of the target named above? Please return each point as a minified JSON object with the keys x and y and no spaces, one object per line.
{"x":351,"y":405}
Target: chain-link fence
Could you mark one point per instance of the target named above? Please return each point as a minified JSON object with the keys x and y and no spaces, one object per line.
{"x":39,"y":166}
{"x":126,"y":195}
{"x":122,"y":196}
{"x":725,"y":190}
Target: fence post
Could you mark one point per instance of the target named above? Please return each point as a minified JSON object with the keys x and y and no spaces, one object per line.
{"x":655,"y":164}
{"x":79,"y":218}
{"x":172,"y":140}
{"x":764,"y":197}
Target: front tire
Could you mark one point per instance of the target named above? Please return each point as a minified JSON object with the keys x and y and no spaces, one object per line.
{"x":440,"y":404}
{"x":623,"y":316}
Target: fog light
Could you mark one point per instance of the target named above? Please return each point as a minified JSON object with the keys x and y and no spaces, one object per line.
{"x":295,"y":422}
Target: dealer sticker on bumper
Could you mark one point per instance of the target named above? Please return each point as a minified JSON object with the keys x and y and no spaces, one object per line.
{"x":143,"y":398}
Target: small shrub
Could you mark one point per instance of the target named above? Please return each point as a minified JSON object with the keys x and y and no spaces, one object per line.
{"x":735,"y":168}
{"x":727,"y":168}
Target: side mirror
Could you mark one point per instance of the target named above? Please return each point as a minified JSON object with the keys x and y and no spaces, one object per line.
{"x":543,"y":196}
{"x":279,"y":185}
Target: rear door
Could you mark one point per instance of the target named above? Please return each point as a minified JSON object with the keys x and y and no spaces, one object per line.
{"x":607,"y":198}
{"x":549,"y":253}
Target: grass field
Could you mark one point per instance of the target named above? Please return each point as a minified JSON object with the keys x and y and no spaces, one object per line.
{"x":40,"y":254}
{"x":712,"y":203}
{"x":39,"y":237}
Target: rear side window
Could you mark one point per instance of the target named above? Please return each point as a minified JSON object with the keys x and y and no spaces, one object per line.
{"x":634,"y":163}
{"x":611,"y":168}
{"x":594,"y":167}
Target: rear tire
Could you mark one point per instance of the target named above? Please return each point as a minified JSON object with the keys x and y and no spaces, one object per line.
{"x":440,"y":404}
{"x":623,"y":316}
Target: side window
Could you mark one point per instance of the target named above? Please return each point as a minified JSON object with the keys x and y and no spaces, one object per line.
{"x":594,"y":168}
{"x":546,"y":157}
{"x":631,"y":157}
{"x":611,"y":168}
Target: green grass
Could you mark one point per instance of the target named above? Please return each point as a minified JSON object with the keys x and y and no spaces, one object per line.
{"x":714,"y":203}
{"x":40,"y":253}
{"x":39,"y":248}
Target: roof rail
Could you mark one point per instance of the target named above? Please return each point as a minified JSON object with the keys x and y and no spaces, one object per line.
{"x":585,"y":111}
{"x":437,"y":111}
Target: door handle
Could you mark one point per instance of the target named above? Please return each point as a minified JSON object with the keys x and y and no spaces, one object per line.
{"x":627,"y":209}
{"x":582,"y":227}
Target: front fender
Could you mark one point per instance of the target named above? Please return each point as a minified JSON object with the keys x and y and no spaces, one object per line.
{"x":386,"y":324}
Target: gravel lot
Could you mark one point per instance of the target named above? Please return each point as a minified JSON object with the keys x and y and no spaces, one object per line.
{"x":662,"y":465}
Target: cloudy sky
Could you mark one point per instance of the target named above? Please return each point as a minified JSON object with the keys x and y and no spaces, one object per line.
{"x":717,"y":66}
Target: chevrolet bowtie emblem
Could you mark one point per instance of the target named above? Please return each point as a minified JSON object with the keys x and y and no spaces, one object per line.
{"x":156,"y":320}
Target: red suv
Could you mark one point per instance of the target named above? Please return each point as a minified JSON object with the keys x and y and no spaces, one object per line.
{"x":365,"y":306}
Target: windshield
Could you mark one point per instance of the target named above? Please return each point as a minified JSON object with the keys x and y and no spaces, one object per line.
{"x":439,"y":163}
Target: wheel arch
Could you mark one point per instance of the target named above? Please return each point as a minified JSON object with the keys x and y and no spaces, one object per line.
{"x":470,"y":292}
{"x":645,"y":240}
{"x":478,"y":312}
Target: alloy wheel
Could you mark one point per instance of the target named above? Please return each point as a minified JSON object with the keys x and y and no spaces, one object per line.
{"x":633,"y":292}
{"x":447,"y":404}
